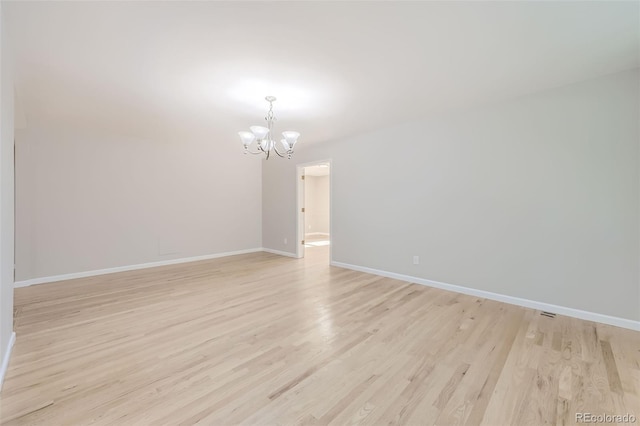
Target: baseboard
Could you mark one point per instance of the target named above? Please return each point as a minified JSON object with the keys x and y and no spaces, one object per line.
{"x":85,"y":274}
{"x":5,"y":360}
{"x":280,"y":253}
{"x":562,"y":310}
{"x":316,"y":234}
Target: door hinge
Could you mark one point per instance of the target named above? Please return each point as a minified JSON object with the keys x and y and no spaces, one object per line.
{"x":303,"y":210}
{"x":302,"y":241}
{"x":302,"y":177}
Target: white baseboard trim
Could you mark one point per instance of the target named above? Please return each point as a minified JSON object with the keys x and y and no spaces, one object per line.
{"x":562,"y":310}
{"x":5,"y":360}
{"x":280,"y":253}
{"x":316,"y":234}
{"x":85,"y":274}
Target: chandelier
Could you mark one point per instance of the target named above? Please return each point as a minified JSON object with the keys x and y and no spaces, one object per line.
{"x":262,"y":135}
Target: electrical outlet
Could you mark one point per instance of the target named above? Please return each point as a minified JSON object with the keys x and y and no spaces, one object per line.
{"x":416,"y":260}
{"x":285,"y":241}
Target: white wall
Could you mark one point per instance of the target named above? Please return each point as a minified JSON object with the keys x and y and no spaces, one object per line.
{"x":6,"y":194}
{"x":536,"y":197}
{"x":88,"y":200}
{"x":316,"y":201}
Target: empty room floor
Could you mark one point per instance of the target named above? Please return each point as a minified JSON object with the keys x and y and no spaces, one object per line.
{"x":265,"y":339}
{"x":316,"y":241}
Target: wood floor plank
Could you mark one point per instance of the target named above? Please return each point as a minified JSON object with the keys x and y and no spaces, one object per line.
{"x":264,"y":339}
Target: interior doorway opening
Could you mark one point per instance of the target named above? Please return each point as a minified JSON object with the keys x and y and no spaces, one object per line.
{"x":314,"y":209}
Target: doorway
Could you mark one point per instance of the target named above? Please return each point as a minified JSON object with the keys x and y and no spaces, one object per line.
{"x":314,"y":210}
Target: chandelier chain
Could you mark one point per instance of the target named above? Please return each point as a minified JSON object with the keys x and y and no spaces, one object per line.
{"x":271,"y":117}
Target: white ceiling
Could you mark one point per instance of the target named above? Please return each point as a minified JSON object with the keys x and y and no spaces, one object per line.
{"x":337,"y":68}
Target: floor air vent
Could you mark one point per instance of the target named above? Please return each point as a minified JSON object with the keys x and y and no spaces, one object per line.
{"x":548,"y":314}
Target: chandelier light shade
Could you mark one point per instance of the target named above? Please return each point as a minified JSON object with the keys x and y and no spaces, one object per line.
{"x":262,"y":136}
{"x":247,"y":138}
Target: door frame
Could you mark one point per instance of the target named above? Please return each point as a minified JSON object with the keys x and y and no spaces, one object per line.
{"x":300,"y":224}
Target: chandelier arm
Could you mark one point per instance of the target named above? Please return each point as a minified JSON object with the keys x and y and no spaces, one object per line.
{"x":275,"y":148}
{"x":258,"y":151}
{"x":286,"y":153}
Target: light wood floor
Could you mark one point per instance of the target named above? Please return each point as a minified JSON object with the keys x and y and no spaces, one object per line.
{"x":264,"y":339}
